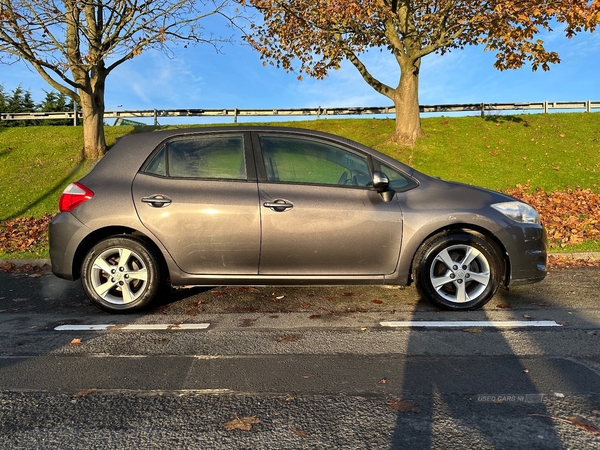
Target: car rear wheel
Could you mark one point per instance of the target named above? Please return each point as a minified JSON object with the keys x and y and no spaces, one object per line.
{"x":457,"y":271}
{"x":121,"y":274}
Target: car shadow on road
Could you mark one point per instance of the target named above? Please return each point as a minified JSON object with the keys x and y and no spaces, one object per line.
{"x":503,"y":388}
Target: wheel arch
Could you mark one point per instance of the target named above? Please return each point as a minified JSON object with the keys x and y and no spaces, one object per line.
{"x":482,"y":232}
{"x":103,"y":233}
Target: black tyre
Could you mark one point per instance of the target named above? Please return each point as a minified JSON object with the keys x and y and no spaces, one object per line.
{"x":121,"y":274}
{"x":457,"y":271}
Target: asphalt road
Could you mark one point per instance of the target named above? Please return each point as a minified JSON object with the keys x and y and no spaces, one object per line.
{"x":300,"y":368}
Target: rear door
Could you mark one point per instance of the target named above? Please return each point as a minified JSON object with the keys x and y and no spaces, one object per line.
{"x":198,"y":195}
{"x":320,"y":215}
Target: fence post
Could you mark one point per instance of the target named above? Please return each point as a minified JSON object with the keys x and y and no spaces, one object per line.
{"x":155,"y":117}
{"x":588,"y":106}
{"x":546,"y":107}
{"x":482,"y":109}
{"x":235,"y":114}
{"x":74,"y":113}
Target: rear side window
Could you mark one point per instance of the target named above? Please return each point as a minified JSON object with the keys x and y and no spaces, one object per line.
{"x":294,"y":159}
{"x":213,"y":157}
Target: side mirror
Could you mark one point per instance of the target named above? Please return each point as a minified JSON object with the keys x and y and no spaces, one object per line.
{"x":381,"y":183}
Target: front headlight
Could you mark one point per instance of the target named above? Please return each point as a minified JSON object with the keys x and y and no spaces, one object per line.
{"x":518,"y":211}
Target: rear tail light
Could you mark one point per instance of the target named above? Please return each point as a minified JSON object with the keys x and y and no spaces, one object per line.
{"x":74,"y":195}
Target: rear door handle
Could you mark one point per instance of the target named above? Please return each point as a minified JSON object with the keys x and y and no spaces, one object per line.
{"x":157,"y":201}
{"x":278,"y":205}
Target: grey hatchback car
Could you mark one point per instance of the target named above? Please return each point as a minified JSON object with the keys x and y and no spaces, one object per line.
{"x":283,"y":206}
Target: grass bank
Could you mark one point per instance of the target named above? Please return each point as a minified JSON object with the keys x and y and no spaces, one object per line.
{"x":552,"y":152}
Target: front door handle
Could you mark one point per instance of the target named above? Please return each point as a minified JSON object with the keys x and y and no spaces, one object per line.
{"x":278,"y":205}
{"x":157,"y":201}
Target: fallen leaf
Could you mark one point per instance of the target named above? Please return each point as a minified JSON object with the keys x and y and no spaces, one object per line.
{"x":472,"y":330}
{"x":244,"y":423}
{"x":578,"y":421}
{"x":584,"y":424}
{"x":7,"y":267}
{"x":314,"y":316}
{"x":526,"y":316}
{"x":383,"y":381}
{"x":36,"y":275}
{"x":287,"y":338}
{"x":377,"y":302}
{"x":248,"y":322}
{"x":302,"y":434}
{"x":84,"y":393}
{"x":502,"y":306}
{"x":75,"y":342}
{"x":400,"y":405}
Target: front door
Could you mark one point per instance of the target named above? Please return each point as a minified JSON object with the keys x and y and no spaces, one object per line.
{"x":320,"y":216}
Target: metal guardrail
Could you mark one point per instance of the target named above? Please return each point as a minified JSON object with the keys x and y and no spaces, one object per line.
{"x":483,"y":108}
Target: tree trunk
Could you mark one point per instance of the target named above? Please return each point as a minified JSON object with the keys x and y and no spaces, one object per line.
{"x":94,"y":142}
{"x":406,"y":101}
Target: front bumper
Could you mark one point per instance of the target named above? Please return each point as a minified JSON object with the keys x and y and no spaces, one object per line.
{"x":527,"y":255}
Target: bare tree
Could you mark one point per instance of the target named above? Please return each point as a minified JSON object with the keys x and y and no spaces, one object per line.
{"x":75,"y":44}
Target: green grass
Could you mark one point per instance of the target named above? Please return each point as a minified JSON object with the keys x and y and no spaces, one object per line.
{"x":592,"y":245}
{"x":36,"y":163}
{"x":550,"y":151}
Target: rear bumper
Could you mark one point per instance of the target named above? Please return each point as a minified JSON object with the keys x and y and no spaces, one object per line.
{"x":65,"y":233}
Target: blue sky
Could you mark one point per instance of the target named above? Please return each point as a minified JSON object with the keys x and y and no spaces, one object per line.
{"x":198,"y":77}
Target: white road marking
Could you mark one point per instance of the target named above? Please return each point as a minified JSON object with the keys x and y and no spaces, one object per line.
{"x":471,"y":324}
{"x":135,"y":327}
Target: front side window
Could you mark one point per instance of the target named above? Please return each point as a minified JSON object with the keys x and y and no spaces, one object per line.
{"x":300,"y":160}
{"x":214,"y":157}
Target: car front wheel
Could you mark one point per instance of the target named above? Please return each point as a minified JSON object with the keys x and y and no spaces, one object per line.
{"x":457,"y":271}
{"x":121,"y":274}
